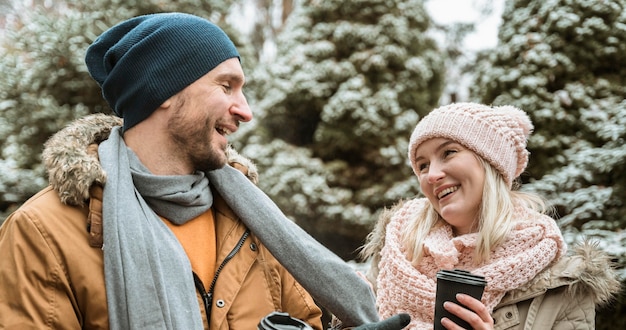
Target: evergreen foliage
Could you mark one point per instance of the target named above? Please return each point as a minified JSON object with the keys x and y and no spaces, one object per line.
{"x":45,"y":81}
{"x":335,"y":110}
{"x":564,"y":62}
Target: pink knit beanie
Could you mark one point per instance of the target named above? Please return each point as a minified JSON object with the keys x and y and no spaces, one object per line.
{"x":497,"y":134}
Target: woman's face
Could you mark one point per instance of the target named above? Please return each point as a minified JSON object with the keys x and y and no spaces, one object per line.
{"x":452,"y":178}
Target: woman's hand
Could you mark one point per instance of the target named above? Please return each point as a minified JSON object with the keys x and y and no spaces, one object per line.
{"x":476,"y":313}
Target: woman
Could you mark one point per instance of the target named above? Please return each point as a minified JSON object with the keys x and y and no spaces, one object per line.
{"x":466,"y":158}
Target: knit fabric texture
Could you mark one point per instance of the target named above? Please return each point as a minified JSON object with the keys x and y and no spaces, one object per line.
{"x":534,"y":244}
{"x":497,"y":134}
{"x":142,"y":62}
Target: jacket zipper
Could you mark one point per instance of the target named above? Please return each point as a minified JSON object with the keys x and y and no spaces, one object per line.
{"x":207,"y":296}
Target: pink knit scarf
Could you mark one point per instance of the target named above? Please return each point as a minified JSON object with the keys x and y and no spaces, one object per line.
{"x":533,"y":245}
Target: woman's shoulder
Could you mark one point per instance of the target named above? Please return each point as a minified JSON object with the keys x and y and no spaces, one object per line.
{"x":375,"y":240}
{"x":586,"y":272}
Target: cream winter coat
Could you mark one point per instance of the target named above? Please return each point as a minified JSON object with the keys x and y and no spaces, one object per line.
{"x":563,"y":296}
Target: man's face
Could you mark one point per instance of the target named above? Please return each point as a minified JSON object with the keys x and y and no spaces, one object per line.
{"x":206,"y":112}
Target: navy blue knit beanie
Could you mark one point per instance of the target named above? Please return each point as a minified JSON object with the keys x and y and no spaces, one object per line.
{"x":142,"y":62}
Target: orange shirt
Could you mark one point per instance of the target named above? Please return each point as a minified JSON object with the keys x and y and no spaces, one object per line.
{"x":197,"y":236}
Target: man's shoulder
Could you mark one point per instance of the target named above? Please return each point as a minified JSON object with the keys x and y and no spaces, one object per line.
{"x":46,"y":201}
{"x":48,"y":213}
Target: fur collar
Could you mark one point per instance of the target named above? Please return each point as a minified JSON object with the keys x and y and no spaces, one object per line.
{"x":586,"y":271}
{"x":71,"y":159}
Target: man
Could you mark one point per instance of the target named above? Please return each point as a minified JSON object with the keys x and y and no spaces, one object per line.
{"x":146,"y":224}
{"x":174,"y":255}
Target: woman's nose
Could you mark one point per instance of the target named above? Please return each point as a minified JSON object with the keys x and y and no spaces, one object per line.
{"x":435,"y":173}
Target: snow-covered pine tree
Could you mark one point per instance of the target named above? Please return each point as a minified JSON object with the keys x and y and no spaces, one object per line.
{"x":335,"y":109}
{"x":564,"y":62}
{"x":45,"y":83}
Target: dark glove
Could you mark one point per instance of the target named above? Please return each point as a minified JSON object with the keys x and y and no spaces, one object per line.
{"x":396,"y":322}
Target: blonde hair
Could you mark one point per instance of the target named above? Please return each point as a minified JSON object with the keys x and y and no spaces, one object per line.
{"x":495,"y":220}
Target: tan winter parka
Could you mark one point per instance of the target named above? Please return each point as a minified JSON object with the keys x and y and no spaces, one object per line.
{"x":51,"y":264}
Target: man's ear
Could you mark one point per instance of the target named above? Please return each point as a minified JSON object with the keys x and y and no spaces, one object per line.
{"x":167,"y":103}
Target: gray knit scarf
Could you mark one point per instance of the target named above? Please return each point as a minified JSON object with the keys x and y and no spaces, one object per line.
{"x":148,"y":276}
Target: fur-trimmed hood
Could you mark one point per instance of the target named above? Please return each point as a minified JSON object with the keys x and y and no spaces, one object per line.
{"x":586,"y":270}
{"x":71,"y":158}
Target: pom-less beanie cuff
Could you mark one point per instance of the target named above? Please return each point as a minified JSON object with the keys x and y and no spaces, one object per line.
{"x":497,"y":134}
{"x":142,"y":62}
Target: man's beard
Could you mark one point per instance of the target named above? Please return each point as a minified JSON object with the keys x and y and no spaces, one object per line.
{"x":194,"y":141}
{"x":211,"y":161}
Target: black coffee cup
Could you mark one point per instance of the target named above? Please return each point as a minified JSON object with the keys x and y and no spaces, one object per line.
{"x":451,"y":282}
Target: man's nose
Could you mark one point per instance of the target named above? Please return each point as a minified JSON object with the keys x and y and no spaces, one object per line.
{"x":241,"y":109}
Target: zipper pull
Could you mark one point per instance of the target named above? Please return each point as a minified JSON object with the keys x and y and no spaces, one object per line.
{"x":208,"y":300}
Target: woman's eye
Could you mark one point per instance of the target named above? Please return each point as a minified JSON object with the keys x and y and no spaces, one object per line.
{"x":422,"y":167}
{"x":449,"y":152}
